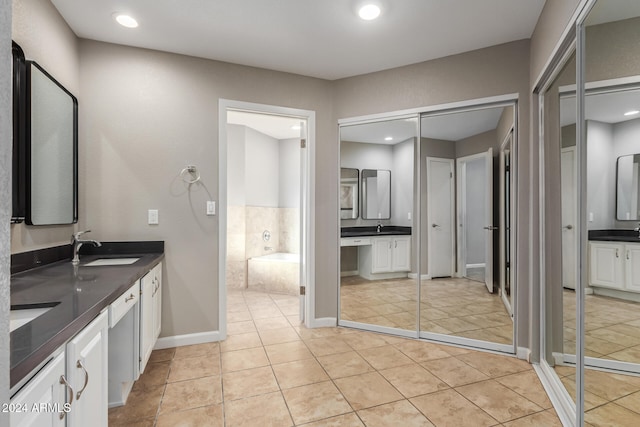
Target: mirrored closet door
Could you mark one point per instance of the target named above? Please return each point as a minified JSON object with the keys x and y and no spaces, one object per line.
{"x":467,"y":162}
{"x":377,"y":237}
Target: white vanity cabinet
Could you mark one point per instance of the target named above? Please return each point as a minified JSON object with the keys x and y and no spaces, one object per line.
{"x":615,"y":265}
{"x":87,"y":367}
{"x":150,"y":312}
{"x":386,"y":257}
{"x":46,"y":390}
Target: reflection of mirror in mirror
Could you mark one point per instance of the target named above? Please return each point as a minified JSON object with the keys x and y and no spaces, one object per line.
{"x":52,"y":142}
{"x":627,"y":187}
{"x":349,"y":193}
{"x":376,"y":194}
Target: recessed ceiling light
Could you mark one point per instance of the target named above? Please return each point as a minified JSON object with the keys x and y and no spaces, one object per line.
{"x":125,"y":20}
{"x":631,"y":113}
{"x":389,"y":138}
{"x":369,"y":12}
{"x":295,"y":127}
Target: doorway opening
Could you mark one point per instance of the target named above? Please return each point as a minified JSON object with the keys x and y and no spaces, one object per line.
{"x":265,"y":227}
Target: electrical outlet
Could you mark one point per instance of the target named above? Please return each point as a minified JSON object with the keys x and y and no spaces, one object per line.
{"x":153,"y":216}
{"x":211,"y":207}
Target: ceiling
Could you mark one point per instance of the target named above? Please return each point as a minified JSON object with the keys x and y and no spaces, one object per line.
{"x":277,"y":127}
{"x":460,"y":125}
{"x":375,"y":133}
{"x":602,"y":107}
{"x":319,"y":38}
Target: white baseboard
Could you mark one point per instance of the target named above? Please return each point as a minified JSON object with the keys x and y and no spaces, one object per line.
{"x":349,"y":273}
{"x":476,"y":265}
{"x":523,"y":353}
{"x":324,"y":322}
{"x":422,"y":276}
{"x":187,"y":339}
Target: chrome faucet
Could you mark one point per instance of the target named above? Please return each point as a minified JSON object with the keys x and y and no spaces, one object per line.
{"x":77,"y":243}
{"x":379,"y":227}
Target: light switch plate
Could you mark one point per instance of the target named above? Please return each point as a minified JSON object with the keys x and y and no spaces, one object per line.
{"x":153,"y":216}
{"x":211,"y":207}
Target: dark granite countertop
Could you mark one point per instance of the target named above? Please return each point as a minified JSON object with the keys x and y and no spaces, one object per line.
{"x":80,"y":292}
{"x":387,"y":230}
{"x":616,"y":235}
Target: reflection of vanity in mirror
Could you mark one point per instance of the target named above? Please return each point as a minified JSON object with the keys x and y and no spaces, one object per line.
{"x":627,"y":188}
{"x":376,"y":194}
{"x":349,"y":184}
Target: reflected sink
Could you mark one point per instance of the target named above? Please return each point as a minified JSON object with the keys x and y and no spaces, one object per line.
{"x":111,"y":261}
{"x":22,"y":316}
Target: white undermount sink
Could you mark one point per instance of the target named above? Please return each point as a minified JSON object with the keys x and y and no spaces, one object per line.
{"x":18,"y":318}
{"x":111,"y":261}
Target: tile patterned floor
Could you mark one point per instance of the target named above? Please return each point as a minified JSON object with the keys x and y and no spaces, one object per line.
{"x":272,"y":372}
{"x":452,"y":306}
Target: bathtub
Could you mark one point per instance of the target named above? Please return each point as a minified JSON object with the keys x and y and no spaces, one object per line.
{"x":278,"y":273}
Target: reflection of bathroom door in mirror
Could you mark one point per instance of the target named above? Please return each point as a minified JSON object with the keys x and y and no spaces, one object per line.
{"x":376,"y":247}
{"x":440,"y":199}
{"x":462,"y":308}
{"x":505,"y":214}
{"x":475,"y":217}
{"x":569,"y":215}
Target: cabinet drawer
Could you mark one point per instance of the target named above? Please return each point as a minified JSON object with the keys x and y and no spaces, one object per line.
{"x":355,"y":241}
{"x":123,"y":304}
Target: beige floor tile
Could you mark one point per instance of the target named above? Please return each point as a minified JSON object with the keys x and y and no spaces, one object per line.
{"x":191,"y":394}
{"x":494,"y":365}
{"x":326,"y":346}
{"x":279,"y":336}
{"x":239,"y":316}
{"x":265,"y":410}
{"x":528,"y":385}
{"x":612,"y":415}
{"x":413,"y":380}
{"x":244,"y":359}
{"x":241,"y":342}
{"x":385,"y":357}
{"x":631,"y":402}
{"x":364,"y":340}
{"x":194,"y":367}
{"x":163,"y":355}
{"x":344,"y":364}
{"x":454,"y":372}
{"x":367,"y":390}
{"x":421,"y":351}
{"x":248,"y":382}
{"x":590,"y":400}
{"x":400,"y":413}
{"x":346,"y":420}
{"x":610,"y":386}
{"x":197,"y":350}
{"x":315,"y":402}
{"x":498,"y":401}
{"x":546,"y":418}
{"x":155,"y":374}
{"x":241,"y":327}
{"x":449,"y":409}
{"x":299,"y":373}
{"x":147,"y":422}
{"x":269,"y":323}
{"x":142,"y":404}
{"x":206,"y":416}
{"x":631,"y":355}
{"x":287,"y":352}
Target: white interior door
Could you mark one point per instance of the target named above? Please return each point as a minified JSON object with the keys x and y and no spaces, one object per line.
{"x":440,"y":210}
{"x":488,"y":214}
{"x":569,"y":217}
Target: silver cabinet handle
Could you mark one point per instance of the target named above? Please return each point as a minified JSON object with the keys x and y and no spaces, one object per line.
{"x":64,"y":381}
{"x":434,"y":225}
{"x":129,"y":298}
{"x":86,"y":378}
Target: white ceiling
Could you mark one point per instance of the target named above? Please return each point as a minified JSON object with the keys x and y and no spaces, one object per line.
{"x":375,"y":133}
{"x":277,"y":127}
{"x":613,"y":10}
{"x":318,"y":38}
{"x":460,"y":125}
{"x":604,"y":107}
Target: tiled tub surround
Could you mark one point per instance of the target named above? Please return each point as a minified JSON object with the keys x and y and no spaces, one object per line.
{"x":279,"y":273}
{"x":82,"y":292}
{"x":245,"y":225}
{"x":271,"y":371}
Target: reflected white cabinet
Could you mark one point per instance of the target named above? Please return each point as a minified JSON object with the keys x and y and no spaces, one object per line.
{"x":87,"y":366}
{"x":47,"y":388}
{"x":615,"y":265}
{"x":386,"y":257}
{"x":150,"y":312}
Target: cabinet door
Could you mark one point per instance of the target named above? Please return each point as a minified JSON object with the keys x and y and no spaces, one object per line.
{"x":157,"y":302}
{"x":47,"y":391}
{"x":606,"y":265}
{"x":401,"y":254}
{"x":632,"y":270}
{"x":87,"y":366}
{"x":381,"y":261}
{"x":147,"y":284}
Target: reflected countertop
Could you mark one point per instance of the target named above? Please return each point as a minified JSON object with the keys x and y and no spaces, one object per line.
{"x":81,"y":293}
{"x":616,"y":235}
{"x":387,"y":230}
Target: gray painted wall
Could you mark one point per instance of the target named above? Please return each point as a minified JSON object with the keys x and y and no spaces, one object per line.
{"x":402,"y":183}
{"x":235,"y":159}
{"x":262,"y":169}
{"x":289,"y":181}
{"x":476,"y":219}
{"x":6,"y":137}
{"x":601,"y":175}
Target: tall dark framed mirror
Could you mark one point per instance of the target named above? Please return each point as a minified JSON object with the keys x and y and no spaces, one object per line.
{"x":51,"y":154}
{"x":18,"y":180}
